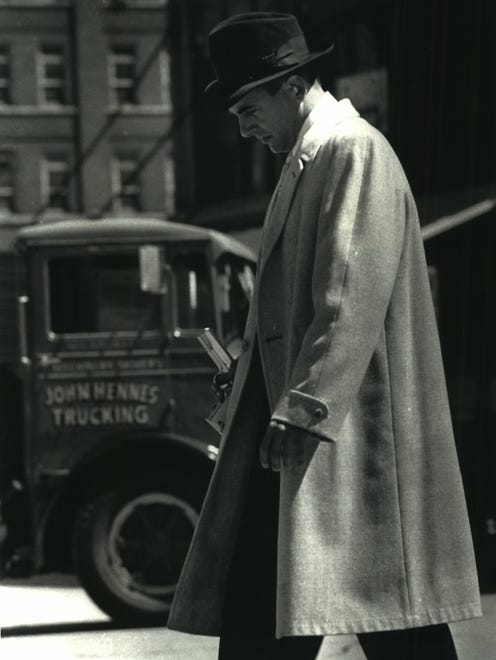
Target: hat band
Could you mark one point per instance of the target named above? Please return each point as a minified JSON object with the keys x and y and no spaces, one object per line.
{"x":290,"y":53}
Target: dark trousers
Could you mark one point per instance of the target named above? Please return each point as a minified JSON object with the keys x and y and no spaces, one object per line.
{"x":429,"y":643}
{"x":249,"y":611}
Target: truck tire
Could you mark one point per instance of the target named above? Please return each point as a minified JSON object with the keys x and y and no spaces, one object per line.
{"x":129,"y":546}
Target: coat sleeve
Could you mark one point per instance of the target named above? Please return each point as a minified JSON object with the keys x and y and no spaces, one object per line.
{"x":359,"y":242}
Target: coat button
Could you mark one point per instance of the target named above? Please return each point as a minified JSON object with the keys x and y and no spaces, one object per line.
{"x":319,"y":413}
{"x":245,"y":344}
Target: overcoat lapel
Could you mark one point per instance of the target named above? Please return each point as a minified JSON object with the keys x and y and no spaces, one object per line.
{"x":307,"y":144}
{"x":279,"y":206}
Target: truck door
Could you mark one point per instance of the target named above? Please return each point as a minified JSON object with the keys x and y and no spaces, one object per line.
{"x":97,"y":358}
{"x":117,"y":378}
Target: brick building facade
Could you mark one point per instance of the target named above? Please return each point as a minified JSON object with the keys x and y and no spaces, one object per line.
{"x":86,"y":109}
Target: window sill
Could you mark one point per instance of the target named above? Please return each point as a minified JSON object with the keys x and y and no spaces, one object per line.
{"x":31,"y":110}
{"x":128,"y":109}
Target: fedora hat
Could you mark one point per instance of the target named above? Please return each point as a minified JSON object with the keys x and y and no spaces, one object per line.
{"x":248,"y":50}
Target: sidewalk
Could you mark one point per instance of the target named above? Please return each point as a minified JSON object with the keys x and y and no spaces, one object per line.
{"x":32,"y":610}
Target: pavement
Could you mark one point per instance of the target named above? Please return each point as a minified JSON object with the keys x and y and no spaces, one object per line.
{"x":50,"y":617}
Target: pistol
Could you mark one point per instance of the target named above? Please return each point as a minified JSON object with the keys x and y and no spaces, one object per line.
{"x":219,"y":355}
{"x":222,"y":359}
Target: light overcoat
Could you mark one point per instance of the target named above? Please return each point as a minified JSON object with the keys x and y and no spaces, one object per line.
{"x":373,"y":529}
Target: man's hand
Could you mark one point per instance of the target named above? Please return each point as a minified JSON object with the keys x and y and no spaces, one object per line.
{"x":223,"y":380}
{"x":282,"y":445}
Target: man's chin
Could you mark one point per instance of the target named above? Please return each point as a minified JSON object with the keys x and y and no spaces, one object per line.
{"x":277,"y":149}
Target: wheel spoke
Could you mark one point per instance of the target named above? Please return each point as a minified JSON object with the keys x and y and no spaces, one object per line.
{"x":149,"y":539}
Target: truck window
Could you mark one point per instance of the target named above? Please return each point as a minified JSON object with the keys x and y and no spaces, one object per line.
{"x":236,"y":281}
{"x":194,"y":305}
{"x":100,"y":293}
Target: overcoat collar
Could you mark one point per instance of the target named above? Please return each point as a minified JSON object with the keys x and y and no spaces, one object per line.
{"x":327,"y":113}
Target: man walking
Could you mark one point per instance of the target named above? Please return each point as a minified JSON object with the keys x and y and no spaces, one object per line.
{"x":336,"y":505}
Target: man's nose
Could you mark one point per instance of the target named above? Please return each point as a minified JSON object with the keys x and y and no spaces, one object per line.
{"x":246,"y":127}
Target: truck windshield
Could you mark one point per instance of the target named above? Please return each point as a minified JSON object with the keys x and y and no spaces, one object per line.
{"x":236,"y":281}
{"x":192,"y":292}
{"x":100,"y":293}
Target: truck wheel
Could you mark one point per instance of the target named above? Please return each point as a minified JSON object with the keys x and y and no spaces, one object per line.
{"x":129,"y":547}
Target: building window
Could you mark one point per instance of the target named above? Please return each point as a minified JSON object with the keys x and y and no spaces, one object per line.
{"x":52,"y":76}
{"x":170,"y":187}
{"x":7,"y":190}
{"x":122,"y":75}
{"x":4,"y":75}
{"x":126,"y":184}
{"x":55,"y":184}
{"x":165,"y":78}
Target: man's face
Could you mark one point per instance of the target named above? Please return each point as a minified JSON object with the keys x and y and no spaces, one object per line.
{"x":273,"y":119}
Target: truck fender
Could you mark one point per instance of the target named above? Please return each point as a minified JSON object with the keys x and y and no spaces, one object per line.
{"x":119,"y":453}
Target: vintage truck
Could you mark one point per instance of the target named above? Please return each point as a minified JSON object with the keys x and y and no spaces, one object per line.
{"x":104,"y":389}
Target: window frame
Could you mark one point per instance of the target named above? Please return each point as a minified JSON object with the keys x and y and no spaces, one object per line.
{"x":8,"y":191}
{"x":118,"y":83}
{"x":88,"y":340}
{"x":56,"y":163}
{"x":174,"y":252}
{"x":6,"y":81}
{"x":241,"y":277}
{"x":45,"y":58}
{"x":122,"y":188}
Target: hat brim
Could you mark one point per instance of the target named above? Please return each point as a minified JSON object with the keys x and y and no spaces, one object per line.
{"x":217,"y":97}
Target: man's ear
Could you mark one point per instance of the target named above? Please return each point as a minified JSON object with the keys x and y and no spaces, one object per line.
{"x":296,"y":86}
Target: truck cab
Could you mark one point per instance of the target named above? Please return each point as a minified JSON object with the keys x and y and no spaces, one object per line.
{"x":109,"y":461}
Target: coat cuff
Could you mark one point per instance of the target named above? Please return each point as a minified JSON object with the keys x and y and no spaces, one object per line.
{"x":306,"y":412}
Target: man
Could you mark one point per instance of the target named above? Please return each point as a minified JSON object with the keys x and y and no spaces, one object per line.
{"x":336,"y":505}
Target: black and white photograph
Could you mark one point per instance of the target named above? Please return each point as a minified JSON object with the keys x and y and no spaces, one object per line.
{"x":247,"y":330}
